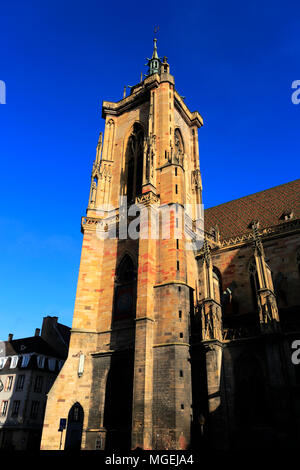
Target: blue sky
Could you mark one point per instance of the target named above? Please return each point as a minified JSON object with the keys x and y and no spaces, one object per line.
{"x":233,"y":61}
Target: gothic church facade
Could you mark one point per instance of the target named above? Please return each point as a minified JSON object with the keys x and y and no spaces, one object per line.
{"x":175,"y":347}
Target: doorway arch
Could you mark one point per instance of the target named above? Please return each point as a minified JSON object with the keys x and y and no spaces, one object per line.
{"x":74,"y":427}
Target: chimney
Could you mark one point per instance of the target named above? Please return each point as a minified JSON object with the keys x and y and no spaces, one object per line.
{"x":10,"y":336}
{"x":54,"y":335}
{"x":37,"y":332}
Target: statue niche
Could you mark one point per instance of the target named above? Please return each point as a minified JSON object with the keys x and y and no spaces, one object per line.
{"x":179,"y":147}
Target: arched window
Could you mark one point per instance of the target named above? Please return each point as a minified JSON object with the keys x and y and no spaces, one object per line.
{"x":179,"y":147}
{"x":125,"y":290}
{"x":134,"y":163}
{"x":126,"y":271}
{"x":74,"y":427}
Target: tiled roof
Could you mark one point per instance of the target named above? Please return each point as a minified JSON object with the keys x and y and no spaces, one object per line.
{"x":33,"y":344}
{"x":34,"y":347}
{"x":268,"y":206}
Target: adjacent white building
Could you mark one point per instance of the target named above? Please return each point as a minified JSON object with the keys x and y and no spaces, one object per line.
{"x":28,"y":368}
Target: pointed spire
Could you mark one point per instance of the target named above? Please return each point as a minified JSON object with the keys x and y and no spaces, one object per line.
{"x":99,"y":149}
{"x":154,"y":63}
{"x":155,"y":55}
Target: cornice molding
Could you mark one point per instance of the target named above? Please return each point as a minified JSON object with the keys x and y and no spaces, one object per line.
{"x":139,"y":95}
{"x":192,"y":118}
{"x":285,"y":228}
{"x":148,"y":199}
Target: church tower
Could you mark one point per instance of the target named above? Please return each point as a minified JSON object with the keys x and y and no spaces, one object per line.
{"x":127,"y":380}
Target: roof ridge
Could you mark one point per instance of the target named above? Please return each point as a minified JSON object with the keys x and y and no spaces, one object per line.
{"x":267,"y":206}
{"x":253,"y":194}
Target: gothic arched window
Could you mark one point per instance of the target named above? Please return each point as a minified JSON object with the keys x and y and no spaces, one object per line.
{"x":179,"y":147}
{"x":134,"y":163}
{"x":126,"y":271}
{"x":125,"y":290}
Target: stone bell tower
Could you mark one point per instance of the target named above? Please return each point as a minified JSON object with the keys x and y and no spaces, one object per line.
{"x":127,"y":380}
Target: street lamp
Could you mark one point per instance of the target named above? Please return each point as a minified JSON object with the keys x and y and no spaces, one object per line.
{"x":62,"y":426}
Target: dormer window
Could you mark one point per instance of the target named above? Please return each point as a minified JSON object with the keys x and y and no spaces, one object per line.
{"x":287,"y":215}
{"x":2,"y":362}
{"x":51,"y":363}
{"x":41,"y":362}
{"x":14,"y":362}
{"x":253,"y":224}
{"x":25,"y":360}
